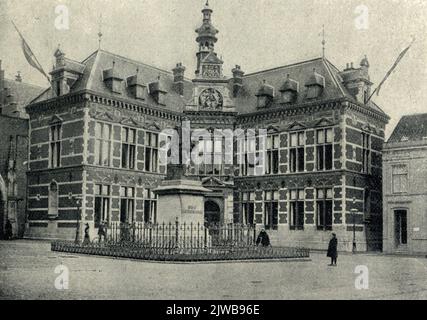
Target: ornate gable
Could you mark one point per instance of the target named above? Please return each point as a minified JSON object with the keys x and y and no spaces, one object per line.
{"x":296,"y":126}
{"x":323,"y":123}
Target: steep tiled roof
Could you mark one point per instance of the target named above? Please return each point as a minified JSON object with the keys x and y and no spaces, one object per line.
{"x":410,"y":128}
{"x":300,"y":72}
{"x":23,"y":92}
{"x":246,"y":100}
{"x":101,"y":60}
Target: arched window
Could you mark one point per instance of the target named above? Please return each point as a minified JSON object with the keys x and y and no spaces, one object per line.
{"x":53,"y":200}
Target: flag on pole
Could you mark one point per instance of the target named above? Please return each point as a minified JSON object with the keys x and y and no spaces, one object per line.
{"x":29,"y":55}
{"x":400,"y":57}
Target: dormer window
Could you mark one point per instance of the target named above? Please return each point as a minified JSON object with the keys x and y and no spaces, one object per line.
{"x":265,"y":95}
{"x":315,"y":85}
{"x":136,"y":86}
{"x":113,"y":80}
{"x":289,"y":90}
{"x":158,"y":91}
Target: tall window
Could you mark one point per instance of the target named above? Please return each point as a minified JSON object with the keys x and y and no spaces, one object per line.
{"x":296,"y":209}
{"x":128,"y":148}
{"x":102,"y":204}
{"x":127,"y":204}
{"x":251,"y":155}
{"x":400,"y":179}
{"x":102,"y":144}
{"x":271,"y":209}
{"x":151,"y":152}
{"x":55,"y":145}
{"x":324,"y":208}
{"x":296,"y":144}
{"x":218,"y":156}
{"x":272,"y":161}
{"x":53,"y":200}
{"x":366,"y":153}
{"x":150,"y":206}
{"x":248,"y":207}
{"x":324,"y":149}
{"x":211,"y":154}
{"x":242,"y":156}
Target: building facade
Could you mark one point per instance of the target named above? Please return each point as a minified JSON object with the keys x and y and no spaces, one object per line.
{"x":405,"y":187}
{"x":96,"y":135}
{"x":14,"y":96}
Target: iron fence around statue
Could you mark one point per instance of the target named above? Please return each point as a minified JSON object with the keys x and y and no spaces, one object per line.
{"x":181,"y":235}
{"x":180,"y":242}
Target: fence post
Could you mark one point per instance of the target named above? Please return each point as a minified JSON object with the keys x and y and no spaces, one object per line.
{"x":206,"y":237}
{"x":185,"y":226}
{"x":176,"y":232}
{"x":254,"y":234}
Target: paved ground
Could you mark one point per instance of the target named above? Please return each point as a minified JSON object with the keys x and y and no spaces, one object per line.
{"x":27,"y":272}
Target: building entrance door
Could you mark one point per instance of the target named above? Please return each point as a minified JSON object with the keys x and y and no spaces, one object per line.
{"x":401,"y":227}
{"x":212,"y":213}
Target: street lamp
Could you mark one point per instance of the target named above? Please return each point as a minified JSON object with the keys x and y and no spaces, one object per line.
{"x":354,"y":210}
{"x":78,"y":201}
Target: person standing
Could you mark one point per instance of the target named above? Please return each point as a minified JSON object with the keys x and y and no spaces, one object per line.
{"x":332,"y":250}
{"x":263,"y":238}
{"x":8,"y":230}
{"x":101,"y":231}
{"x":87,"y":237}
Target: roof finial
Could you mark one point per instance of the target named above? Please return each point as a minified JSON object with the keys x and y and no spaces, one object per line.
{"x":207,"y":3}
{"x":100,"y":31}
{"x":323,"y":41}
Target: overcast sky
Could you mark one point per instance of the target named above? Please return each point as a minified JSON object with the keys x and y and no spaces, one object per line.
{"x":255,"y":34}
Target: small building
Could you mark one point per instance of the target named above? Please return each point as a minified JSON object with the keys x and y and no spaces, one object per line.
{"x":14,"y":96}
{"x":405,"y":187}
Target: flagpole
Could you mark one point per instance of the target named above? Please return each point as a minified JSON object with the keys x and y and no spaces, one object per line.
{"x":32,"y":53}
{"x":400,"y":57}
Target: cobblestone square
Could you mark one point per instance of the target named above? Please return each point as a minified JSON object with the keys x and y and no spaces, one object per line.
{"x":27,"y":271}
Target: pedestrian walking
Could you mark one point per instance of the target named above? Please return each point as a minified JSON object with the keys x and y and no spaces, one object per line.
{"x":263,"y":239}
{"x":332,"y":250}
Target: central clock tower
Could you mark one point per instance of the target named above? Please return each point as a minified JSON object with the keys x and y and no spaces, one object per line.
{"x":211,"y":89}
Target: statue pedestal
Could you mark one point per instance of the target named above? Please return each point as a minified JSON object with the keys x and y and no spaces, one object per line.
{"x":181,"y":199}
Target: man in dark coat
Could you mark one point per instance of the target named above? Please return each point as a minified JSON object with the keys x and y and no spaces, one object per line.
{"x":87,"y":237}
{"x":8,"y":230}
{"x":102,"y":231}
{"x":263,"y":238}
{"x":332,"y":250}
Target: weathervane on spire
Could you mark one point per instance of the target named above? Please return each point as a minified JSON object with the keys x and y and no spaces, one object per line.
{"x":100,"y":32}
{"x":323,"y":41}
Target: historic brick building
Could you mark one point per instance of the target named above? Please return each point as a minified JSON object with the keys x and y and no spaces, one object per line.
{"x":14,"y":96}
{"x":405,"y":187}
{"x":95,"y":135}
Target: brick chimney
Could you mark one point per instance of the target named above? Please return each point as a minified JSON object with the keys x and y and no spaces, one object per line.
{"x":178,"y":78}
{"x":237,"y":79}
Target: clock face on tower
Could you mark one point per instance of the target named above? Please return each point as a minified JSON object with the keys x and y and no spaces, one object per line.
{"x":210,"y":99}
